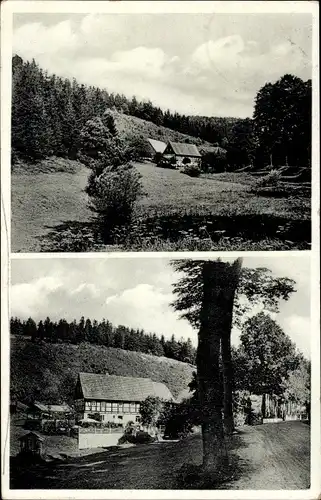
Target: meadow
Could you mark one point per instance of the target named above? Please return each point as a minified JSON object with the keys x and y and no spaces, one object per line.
{"x":213,"y":212}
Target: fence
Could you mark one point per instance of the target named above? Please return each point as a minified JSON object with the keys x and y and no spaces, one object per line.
{"x":101,"y":430}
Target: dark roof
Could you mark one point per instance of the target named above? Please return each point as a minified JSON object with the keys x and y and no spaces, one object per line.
{"x":32,"y":433}
{"x":184,"y":149}
{"x":158,"y":146}
{"x":115,"y":388}
{"x":52,"y":408}
{"x":213,"y":149}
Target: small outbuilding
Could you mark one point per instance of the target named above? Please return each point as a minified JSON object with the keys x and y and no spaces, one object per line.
{"x":31,"y":443}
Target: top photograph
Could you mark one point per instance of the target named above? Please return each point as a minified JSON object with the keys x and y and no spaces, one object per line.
{"x":161,"y":132}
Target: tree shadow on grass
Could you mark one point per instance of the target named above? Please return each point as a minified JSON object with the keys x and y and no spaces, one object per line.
{"x":225,"y":232}
{"x":193,"y":477}
{"x":72,"y":236}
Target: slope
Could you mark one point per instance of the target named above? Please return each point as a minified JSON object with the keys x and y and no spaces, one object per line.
{"x":131,"y":125}
{"x":48,"y":372}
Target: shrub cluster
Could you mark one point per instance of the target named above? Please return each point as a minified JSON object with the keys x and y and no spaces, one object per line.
{"x":191,"y":170}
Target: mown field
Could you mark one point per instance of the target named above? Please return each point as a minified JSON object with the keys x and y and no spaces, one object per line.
{"x":213,"y":212}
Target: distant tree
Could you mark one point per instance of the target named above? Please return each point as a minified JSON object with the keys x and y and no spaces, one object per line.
{"x":282,"y":119}
{"x":243,"y":143}
{"x":31,"y":329}
{"x":41,"y":331}
{"x":270,"y":356}
{"x":150,"y":410}
{"x":297,"y":386}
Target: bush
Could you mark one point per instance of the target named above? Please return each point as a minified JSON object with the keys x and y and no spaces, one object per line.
{"x":32,"y":425}
{"x":140,"y":437}
{"x":239,"y":419}
{"x":270,"y":180}
{"x":191,"y":170}
{"x":113,"y":194}
{"x":167,"y":162}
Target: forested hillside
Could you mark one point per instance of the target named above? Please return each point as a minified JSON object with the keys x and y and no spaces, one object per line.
{"x":48,"y":372}
{"x":103,"y":333}
{"x":49,"y":112}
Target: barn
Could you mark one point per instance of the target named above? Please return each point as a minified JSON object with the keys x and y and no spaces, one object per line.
{"x":116,"y":399}
{"x":183,"y":153}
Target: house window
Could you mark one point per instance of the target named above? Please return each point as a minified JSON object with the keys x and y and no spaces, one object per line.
{"x":120,"y":417}
{"x":114,"y":407}
{"x":93,"y":405}
{"x":137,"y":407}
{"x":120,"y":407}
{"x":137,"y":419}
{"x":132,"y":407}
{"x":108,"y":407}
{"x":102,"y":406}
{"x":88,"y":405}
{"x":126,"y":407}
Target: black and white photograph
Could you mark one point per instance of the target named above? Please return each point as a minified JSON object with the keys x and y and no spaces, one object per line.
{"x":160,"y":374}
{"x":160,"y":249}
{"x":161,"y":132}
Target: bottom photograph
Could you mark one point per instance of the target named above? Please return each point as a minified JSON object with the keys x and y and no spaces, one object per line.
{"x":152,"y":373}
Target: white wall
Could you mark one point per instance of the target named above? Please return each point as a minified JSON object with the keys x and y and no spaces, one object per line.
{"x":114,"y":417}
{"x":95,"y":440}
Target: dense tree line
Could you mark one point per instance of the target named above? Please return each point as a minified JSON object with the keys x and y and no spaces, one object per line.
{"x":105,"y":334}
{"x":49,"y":113}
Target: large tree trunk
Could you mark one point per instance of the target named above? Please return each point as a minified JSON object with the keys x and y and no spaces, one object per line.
{"x":232,"y":279}
{"x":213,"y":323}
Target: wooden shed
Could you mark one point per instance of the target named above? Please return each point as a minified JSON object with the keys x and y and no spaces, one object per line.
{"x":31,"y":443}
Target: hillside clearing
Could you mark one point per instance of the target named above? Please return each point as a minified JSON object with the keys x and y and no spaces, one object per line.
{"x":50,"y":213}
{"x":127,"y":124}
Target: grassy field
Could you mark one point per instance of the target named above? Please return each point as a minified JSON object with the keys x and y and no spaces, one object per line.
{"x":218,"y":194}
{"x":265,"y":457}
{"x":44,"y":198}
{"x":212,"y":212}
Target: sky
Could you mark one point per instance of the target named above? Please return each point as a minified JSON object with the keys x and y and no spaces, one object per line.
{"x":137,"y":292}
{"x":196,"y":64}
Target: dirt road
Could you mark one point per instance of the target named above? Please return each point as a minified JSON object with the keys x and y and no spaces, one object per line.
{"x":270,"y":456}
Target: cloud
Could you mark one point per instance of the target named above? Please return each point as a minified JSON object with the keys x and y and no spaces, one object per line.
{"x":299,"y":329}
{"x":28,"y":298}
{"x":218,"y":77}
{"x":34,"y":40}
{"x":147,"y":307}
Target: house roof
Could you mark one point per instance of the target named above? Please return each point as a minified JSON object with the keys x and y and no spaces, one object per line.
{"x":184,"y":394}
{"x":214,"y":149}
{"x":184,"y":149}
{"x":32,"y":433}
{"x":115,"y":388}
{"x":52,"y":408}
{"x":158,"y":146}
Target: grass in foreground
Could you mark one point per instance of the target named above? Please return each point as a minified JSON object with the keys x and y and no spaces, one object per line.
{"x":179,"y":213}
